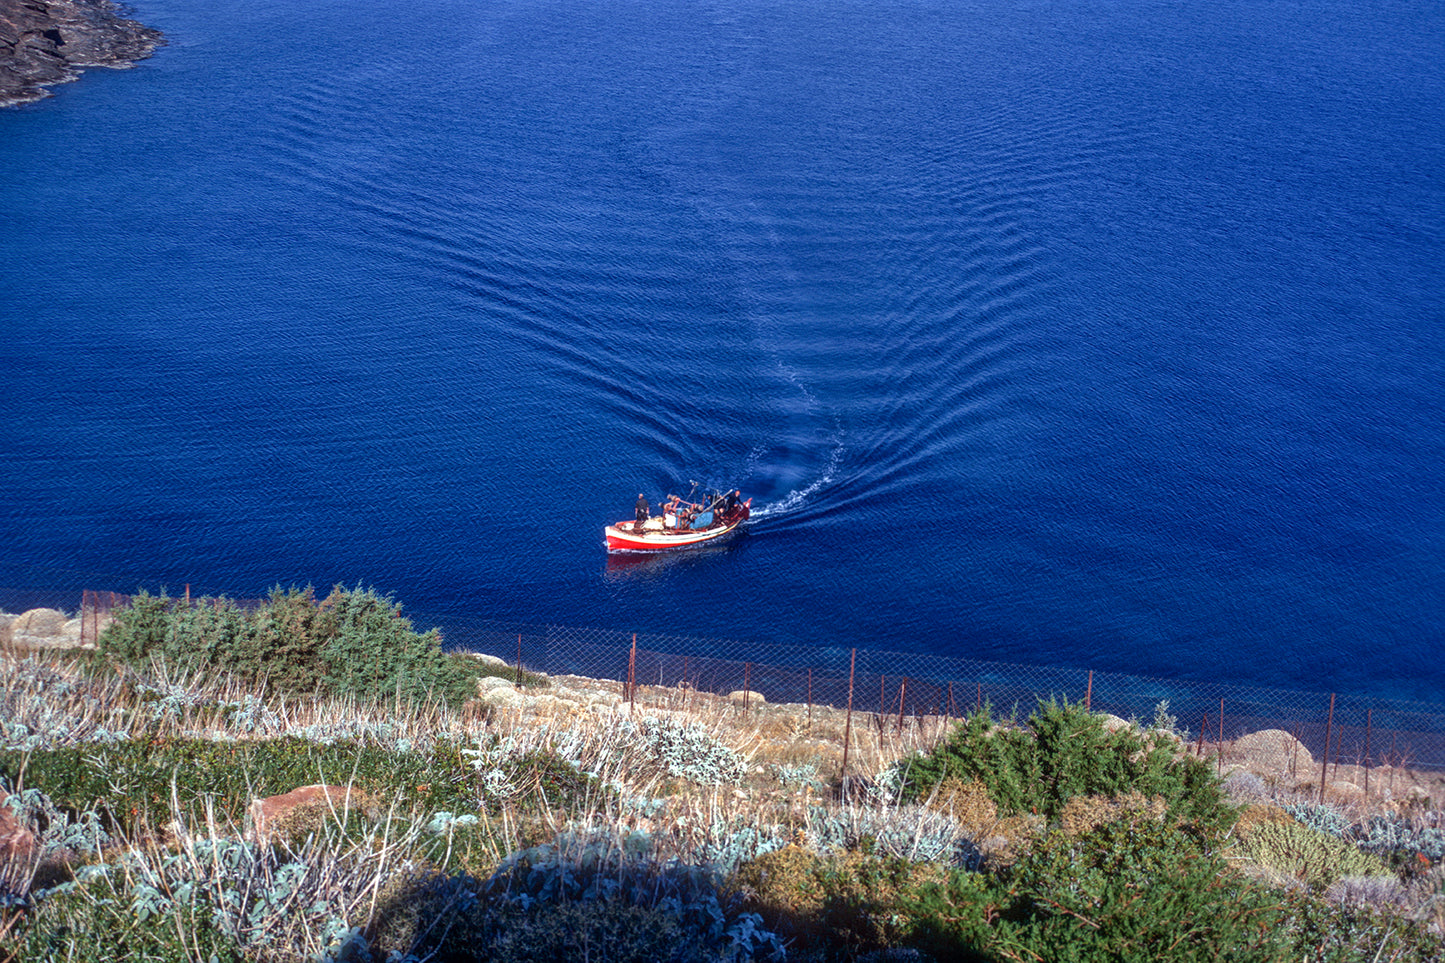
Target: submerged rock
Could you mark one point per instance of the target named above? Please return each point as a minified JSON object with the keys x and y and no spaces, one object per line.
{"x":44,"y":42}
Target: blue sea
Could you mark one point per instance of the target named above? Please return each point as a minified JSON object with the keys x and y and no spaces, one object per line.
{"x":1106,"y":334}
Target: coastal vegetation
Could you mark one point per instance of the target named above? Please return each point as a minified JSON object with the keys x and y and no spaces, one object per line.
{"x":145,"y":816}
{"x":354,"y":642}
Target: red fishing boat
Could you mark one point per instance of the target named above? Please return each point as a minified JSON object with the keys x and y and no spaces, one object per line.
{"x":680,"y":524}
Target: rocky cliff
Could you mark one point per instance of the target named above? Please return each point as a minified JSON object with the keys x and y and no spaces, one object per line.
{"x":44,"y":42}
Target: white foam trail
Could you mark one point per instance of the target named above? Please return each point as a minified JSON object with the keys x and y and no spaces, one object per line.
{"x":798,"y":497}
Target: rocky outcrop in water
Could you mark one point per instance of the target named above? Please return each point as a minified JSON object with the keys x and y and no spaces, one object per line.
{"x":44,"y":42}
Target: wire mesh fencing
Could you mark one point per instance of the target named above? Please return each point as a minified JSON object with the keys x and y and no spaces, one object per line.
{"x":1303,"y":730}
{"x":1300,"y":733}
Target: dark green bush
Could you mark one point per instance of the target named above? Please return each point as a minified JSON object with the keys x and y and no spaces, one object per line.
{"x":1065,"y":751}
{"x":578,"y":898}
{"x":131,"y":780}
{"x":1317,"y":931}
{"x":835,"y":907}
{"x":1130,"y":890}
{"x":88,"y":926}
{"x":353,"y":642}
{"x":374,"y":652}
{"x":1135,"y":890}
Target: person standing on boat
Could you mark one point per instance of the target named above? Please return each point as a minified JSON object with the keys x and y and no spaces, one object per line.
{"x":732,"y":504}
{"x":642,"y":511}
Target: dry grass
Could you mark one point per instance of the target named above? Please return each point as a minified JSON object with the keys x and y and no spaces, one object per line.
{"x":793,"y":759}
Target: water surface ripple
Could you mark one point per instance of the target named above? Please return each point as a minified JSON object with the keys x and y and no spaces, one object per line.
{"x":1104,"y":336}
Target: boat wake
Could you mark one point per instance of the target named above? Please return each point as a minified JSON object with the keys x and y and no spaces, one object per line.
{"x":796,"y":498}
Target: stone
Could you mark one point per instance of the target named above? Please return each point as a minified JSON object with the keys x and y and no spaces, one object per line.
{"x":44,"y":42}
{"x":489,"y":659}
{"x":1274,"y":750}
{"x":17,"y":844}
{"x":504,"y":697}
{"x":748,"y":696}
{"x":490,"y":683}
{"x":45,"y":623}
{"x":1340,"y":791}
{"x":1113,"y":723}
{"x":42,"y":629}
{"x":302,"y":809}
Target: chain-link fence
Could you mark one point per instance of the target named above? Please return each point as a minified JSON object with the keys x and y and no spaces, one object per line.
{"x":1308,"y":729}
{"x":1305,"y":730}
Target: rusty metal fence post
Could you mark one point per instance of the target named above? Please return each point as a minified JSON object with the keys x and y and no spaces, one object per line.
{"x":1325,"y":766}
{"x":902,"y":691}
{"x":848,"y":726}
{"x":1219,"y":749}
{"x":632,"y":673}
{"x":1369,"y":717}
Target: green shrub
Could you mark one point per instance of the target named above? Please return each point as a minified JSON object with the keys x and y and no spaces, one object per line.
{"x":1065,"y":751}
{"x":283,"y":643}
{"x":1321,"y":932}
{"x":86,"y":924}
{"x":1132,"y":889}
{"x":374,"y":652}
{"x":834,"y":906}
{"x":1313,"y":857}
{"x":592,"y":897}
{"x":131,"y":781}
{"x":354,"y":642}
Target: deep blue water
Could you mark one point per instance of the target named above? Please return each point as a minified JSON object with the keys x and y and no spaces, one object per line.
{"x":1097,"y":333}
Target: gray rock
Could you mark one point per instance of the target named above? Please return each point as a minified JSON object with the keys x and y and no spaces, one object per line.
{"x":45,"y":42}
{"x":1274,"y":750}
{"x":488,"y":659}
{"x":45,"y":623}
{"x":492,"y":683}
{"x":41,"y":629}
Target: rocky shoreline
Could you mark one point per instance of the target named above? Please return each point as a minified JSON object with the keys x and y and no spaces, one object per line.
{"x":46,"y":42}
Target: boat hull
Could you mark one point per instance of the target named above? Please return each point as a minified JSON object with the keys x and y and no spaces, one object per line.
{"x":622,"y":536}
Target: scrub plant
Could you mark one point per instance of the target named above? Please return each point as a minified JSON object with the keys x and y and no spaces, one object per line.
{"x":1063,"y":751}
{"x":1314,"y":858}
{"x":211,"y":894}
{"x":598,"y":896}
{"x":354,"y":641}
{"x":653,"y":827}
